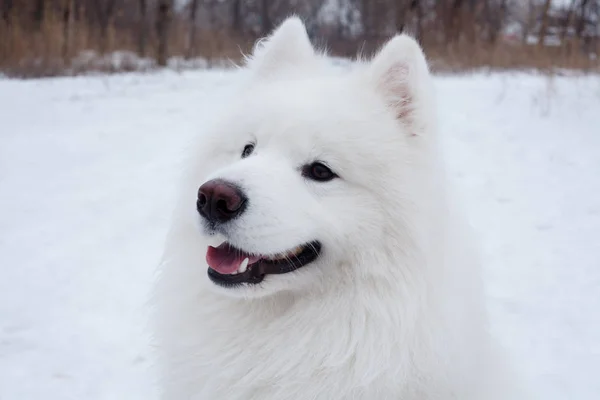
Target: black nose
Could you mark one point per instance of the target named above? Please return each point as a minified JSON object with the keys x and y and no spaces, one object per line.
{"x":220,"y":201}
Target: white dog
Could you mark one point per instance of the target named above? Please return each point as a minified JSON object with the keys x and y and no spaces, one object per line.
{"x":343,"y":271}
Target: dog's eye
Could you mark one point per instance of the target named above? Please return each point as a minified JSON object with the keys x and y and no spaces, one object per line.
{"x":318,"y":172}
{"x":247,"y":150}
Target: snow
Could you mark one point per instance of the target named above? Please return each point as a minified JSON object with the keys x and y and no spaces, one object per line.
{"x":90,"y":62}
{"x":88,"y":173}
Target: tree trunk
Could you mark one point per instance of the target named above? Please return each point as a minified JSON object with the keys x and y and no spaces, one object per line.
{"x":582,"y":19}
{"x":39,"y":12}
{"x":496,"y":20}
{"x":400,"y":15}
{"x":143,"y":31}
{"x":162,"y":30}
{"x":375,"y":19}
{"x":266,"y":25}
{"x":105,"y":16}
{"x":453,"y":21}
{"x":365,"y":17}
{"x":417,"y":8}
{"x":568,"y":22}
{"x":488,"y":22}
{"x":77,"y":14}
{"x":544,"y":26}
{"x":236,"y":16}
{"x":467,"y":22}
{"x":67,"y":22}
{"x":191,"y":45}
{"x":530,"y":21}
{"x":7,"y":6}
{"x":103,"y":36}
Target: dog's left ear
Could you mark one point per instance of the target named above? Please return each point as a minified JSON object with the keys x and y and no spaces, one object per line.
{"x":289,"y":45}
{"x":400,"y":74}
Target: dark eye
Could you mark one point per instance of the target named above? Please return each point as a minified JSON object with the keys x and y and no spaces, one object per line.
{"x":247,"y":150}
{"x":318,"y":172}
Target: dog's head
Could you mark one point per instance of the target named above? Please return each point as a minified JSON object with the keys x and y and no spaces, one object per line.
{"x":312,"y":166}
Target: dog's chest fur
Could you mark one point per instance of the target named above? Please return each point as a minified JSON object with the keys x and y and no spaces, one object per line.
{"x":330,"y":348}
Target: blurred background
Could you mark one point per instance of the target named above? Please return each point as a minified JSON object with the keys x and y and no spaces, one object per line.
{"x":53,"y":37}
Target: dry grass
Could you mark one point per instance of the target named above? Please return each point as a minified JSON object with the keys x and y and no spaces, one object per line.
{"x":28,"y":52}
{"x":508,"y":57}
{"x":43,"y":52}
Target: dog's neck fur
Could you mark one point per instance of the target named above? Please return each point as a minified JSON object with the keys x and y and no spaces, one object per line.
{"x":356,"y":333}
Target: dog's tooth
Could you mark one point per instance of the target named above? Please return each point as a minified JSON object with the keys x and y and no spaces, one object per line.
{"x":243,"y":266}
{"x":295,"y":251}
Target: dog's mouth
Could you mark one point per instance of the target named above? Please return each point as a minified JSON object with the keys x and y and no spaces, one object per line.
{"x":229,"y":266}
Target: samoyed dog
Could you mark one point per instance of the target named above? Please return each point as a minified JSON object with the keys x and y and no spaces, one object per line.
{"x":315,"y":253}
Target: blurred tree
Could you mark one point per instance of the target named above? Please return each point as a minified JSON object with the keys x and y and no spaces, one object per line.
{"x":416,"y":9}
{"x":163,"y":22}
{"x":236,"y":16}
{"x":544,"y":23}
{"x":581,"y":22}
{"x":191,"y":43}
{"x":39,"y":11}
{"x":403,"y":8}
{"x":67,"y":23}
{"x":494,"y":19}
{"x":529,"y":21}
{"x":143,"y":28}
{"x":568,"y":21}
{"x":104,"y":14}
{"x":6,"y":10}
{"x":266,"y":25}
{"x":443,"y":27}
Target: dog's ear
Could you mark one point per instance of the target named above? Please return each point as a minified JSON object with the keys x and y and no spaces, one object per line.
{"x":400,"y":74}
{"x":289,"y":45}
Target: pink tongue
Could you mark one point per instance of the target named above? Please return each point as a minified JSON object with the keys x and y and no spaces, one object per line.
{"x":226,"y":259}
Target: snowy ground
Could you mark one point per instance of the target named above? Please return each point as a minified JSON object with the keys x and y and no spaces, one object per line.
{"x":88,"y":168}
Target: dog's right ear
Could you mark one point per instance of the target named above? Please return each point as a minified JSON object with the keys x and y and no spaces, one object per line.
{"x":400,"y":74}
{"x":287,"y":46}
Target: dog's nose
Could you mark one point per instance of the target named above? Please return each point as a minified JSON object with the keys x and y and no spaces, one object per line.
{"x":220,"y":201}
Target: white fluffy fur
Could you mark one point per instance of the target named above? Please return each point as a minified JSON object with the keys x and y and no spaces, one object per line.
{"x":393,"y":308}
